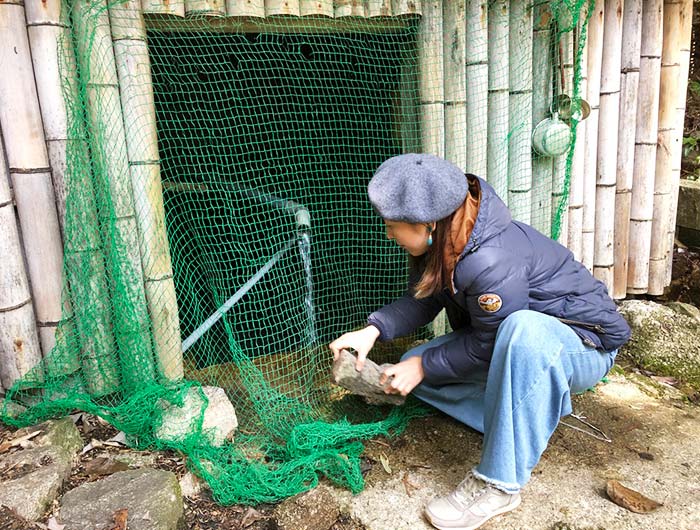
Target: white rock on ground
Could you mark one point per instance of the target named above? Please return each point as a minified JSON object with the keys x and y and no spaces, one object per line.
{"x":151,"y":497}
{"x":219,"y":423}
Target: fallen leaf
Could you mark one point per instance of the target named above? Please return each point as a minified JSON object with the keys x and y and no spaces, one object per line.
{"x":384,"y":461}
{"x":94,"y":444}
{"x":101,"y":466}
{"x":630,"y":499}
{"x":118,"y":440}
{"x":251,"y":516}
{"x":408,"y":485}
{"x":120,"y":519}
{"x":53,"y":524}
{"x":20,"y":441}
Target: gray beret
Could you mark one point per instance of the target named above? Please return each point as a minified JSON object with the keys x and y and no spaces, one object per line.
{"x":417,"y":188}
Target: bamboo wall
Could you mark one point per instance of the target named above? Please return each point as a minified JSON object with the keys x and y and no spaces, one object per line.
{"x":618,"y":220}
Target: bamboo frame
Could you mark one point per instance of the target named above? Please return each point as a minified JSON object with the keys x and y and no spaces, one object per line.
{"x":170,"y":7}
{"x":253,"y":8}
{"x":213,"y":8}
{"x":31,"y":178}
{"x":406,"y":7}
{"x":498,"y":95}
{"x":608,"y":122}
{"x":520,"y":111}
{"x":379,"y":8}
{"x":594,"y":63}
{"x":477,"y":75}
{"x":575,"y":225}
{"x":455,"y":83}
{"x":642,"y":207}
{"x":541,"y":210}
{"x":668,"y":101}
{"x":19,"y":341}
{"x":282,"y":7}
{"x":315,"y":7}
{"x":629,"y":85}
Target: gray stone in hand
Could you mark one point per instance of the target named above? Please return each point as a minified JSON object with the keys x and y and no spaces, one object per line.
{"x":364,"y":383}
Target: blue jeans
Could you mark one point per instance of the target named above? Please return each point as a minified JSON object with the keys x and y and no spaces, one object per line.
{"x":537,"y":364}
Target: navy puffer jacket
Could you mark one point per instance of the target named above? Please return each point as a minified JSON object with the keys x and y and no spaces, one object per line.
{"x":506,"y":266}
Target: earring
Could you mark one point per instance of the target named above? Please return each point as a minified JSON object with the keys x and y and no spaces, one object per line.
{"x":430,"y":239}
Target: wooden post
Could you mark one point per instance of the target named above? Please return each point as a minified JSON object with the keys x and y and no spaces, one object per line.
{"x":520,"y":111}
{"x":20,"y":119}
{"x":215,"y":8}
{"x":256,"y":8}
{"x":574,"y":242}
{"x":608,"y":123}
{"x":379,"y":8}
{"x":629,"y":83}
{"x":455,"y":83}
{"x":312,"y":7}
{"x":498,"y":95}
{"x":19,"y":342}
{"x":663,"y":181}
{"x":686,"y":30}
{"x":541,"y":211}
{"x":406,"y":7}
{"x":646,"y":138}
{"x":282,"y":7}
{"x":477,"y":80}
{"x":594,"y":60}
{"x":138,"y":109}
{"x":170,"y":7}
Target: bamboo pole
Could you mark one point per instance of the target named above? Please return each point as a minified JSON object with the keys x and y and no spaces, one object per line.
{"x":379,"y":8}
{"x":282,"y":7}
{"x":343,"y":8}
{"x":608,"y":123}
{"x":134,"y":71}
{"x":668,"y":137}
{"x":520,"y":111}
{"x":498,"y":95}
{"x":560,"y":198}
{"x":642,"y":207}
{"x":477,"y":76}
{"x":212,"y":8}
{"x":316,"y":7}
{"x":629,"y":83}
{"x":686,"y":31}
{"x":455,"y":83}
{"x":541,"y":211}
{"x":169,"y":7}
{"x":406,"y":7}
{"x":29,"y":169}
{"x":256,"y":8}
{"x":19,"y":342}
{"x":594,"y":61}
{"x":575,"y":230}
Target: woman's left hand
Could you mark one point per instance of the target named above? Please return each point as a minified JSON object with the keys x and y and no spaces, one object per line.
{"x":406,"y":376}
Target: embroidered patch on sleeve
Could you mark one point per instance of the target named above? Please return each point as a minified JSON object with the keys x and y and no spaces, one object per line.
{"x":490,"y":302}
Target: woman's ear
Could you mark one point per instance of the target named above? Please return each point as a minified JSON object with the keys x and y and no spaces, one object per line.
{"x":431,"y":227}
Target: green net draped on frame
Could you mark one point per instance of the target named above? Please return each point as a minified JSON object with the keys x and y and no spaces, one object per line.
{"x":217,"y":229}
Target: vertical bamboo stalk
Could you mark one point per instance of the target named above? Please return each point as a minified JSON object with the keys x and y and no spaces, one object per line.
{"x":477,"y":80}
{"x":138,"y":106}
{"x":608,"y":123}
{"x":595,"y":58}
{"x":215,"y":8}
{"x":379,"y":8}
{"x":19,"y":342}
{"x":642,"y":207}
{"x":560,"y":199}
{"x":168,"y":7}
{"x":668,"y":137}
{"x":406,"y":7}
{"x":520,"y":111}
{"x":575,"y":230}
{"x":313,"y":7}
{"x":629,"y":83}
{"x":282,"y":7}
{"x":256,"y":8}
{"x":686,"y":31}
{"x":350,"y":8}
{"x":498,"y":95}
{"x":455,"y":82}
{"x":541,"y":211}
{"x":20,"y":119}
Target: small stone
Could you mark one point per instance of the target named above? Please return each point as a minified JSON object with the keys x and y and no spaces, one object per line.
{"x":314,"y":510}
{"x":31,"y":479}
{"x":62,"y":434}
{"x":151,"y":497}
{"x":219,"y":421}
{"x":191,"y":485}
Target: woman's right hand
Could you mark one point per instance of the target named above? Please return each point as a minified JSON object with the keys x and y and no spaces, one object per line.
{"x":361,"y":341}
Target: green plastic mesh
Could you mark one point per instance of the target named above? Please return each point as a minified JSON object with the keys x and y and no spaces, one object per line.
{"x":242,"y":202}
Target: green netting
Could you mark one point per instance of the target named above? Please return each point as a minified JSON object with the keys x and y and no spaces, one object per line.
{"x":217,"y":227}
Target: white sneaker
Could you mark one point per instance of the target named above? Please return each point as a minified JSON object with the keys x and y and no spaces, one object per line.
{"x":469,"y":506}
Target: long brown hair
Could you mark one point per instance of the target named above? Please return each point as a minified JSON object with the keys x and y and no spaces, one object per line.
{"x":435,"y":276}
